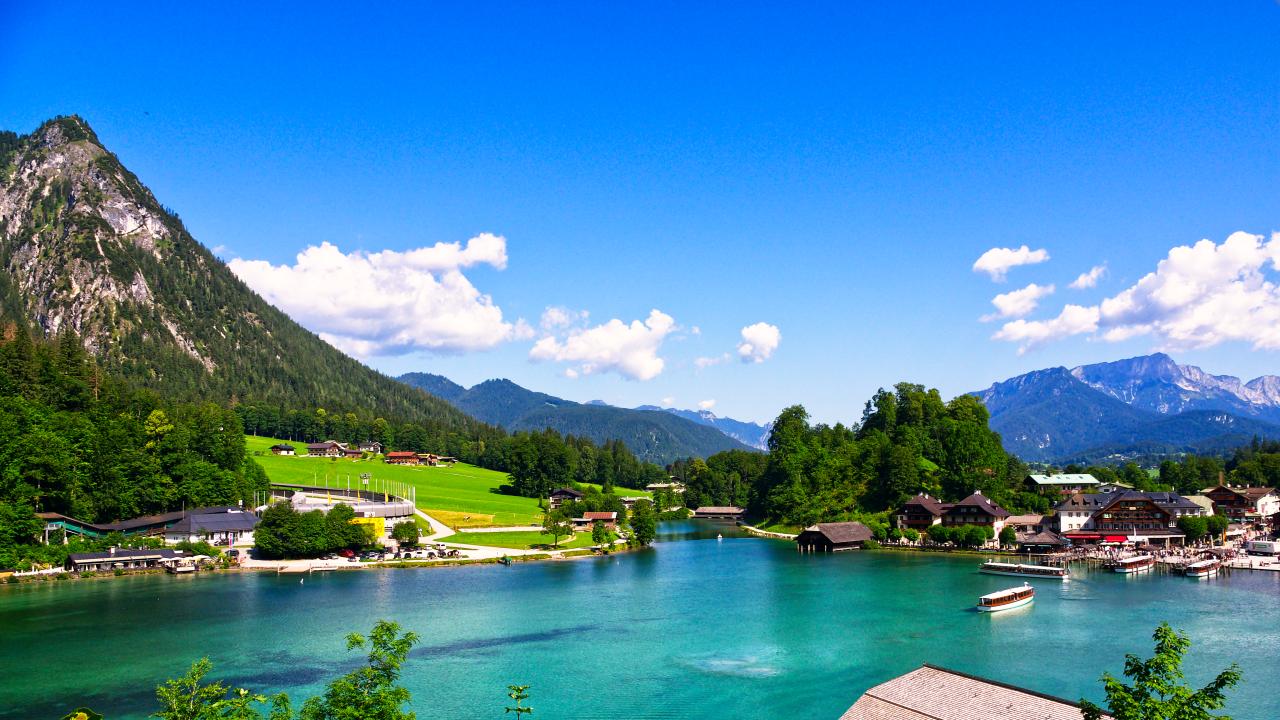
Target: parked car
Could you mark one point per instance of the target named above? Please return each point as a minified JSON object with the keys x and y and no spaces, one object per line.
{"x":346,"y":553}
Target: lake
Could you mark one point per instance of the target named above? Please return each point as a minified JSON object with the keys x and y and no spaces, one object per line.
{"x":693,"y":628}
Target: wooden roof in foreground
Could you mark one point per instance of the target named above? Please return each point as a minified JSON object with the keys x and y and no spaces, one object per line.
{"x":934,"y":693}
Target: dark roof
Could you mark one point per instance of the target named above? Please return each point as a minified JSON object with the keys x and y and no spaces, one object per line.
{"x":928,"y":503}
{"x":216,"y":522}
{"x":1257,"y":493}
{"x":1163,"y":500}
{"x":123,"y":554}
{"x":841,"y":532}
{"x":164,"y":519}
{"x":566,"y":491}
{"x":282,"y":446}
{"x":1040,"y":538}
{"x":984,"y":503}
{"x":1086,"y":501}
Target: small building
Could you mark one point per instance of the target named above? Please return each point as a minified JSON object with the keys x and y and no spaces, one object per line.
{"x":560,"y":496}
{"x":920,"y":513}
{"x":673,"y":486}
{"x":353,"y":453}
{"x":371,"y":447}
{"x":1203,"y":501}
{"x":935,"y":693}
{"x":1025,"y":523}
{"x":716,"y":512}
{"x":833,"y":537}
{"x":1112,"y":487}
{"x":1041,"y":542}
{"x":328,"y":448}
{"x":1062,"y":483}
{"x":219,"y":526}
{"x":120,"y":558}
{"x":283,"y":449}
{"x":589,"y":519}
{"x":402,"y":458}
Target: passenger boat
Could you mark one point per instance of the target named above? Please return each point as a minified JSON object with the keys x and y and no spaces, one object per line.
{"x":991,"y":567}
{"x":1007,"y":599}
{"x":1202,"y":569}
{"x":1135,"y":564}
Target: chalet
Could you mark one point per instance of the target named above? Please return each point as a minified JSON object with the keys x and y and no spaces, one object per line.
{"x":1124,"y":515}
{"x":1075,"y":512}
{"x":1025,"y":523}
{"x":446,"y":460}
{"x":350,"y":452}
{"x":833,"y":537}
{"x":371,"y":447}
{"x":328,"y":448}
{"x":402,"y":458}
{"x":588,"y":519}
{"x":220,"y":526}
{"x":977,"y":509}
{"x":283,"y":449}
{"x":1062,"y":483}
{"x":920,"y":513}
{"x":560,"y":496}
{"x":719,"y":513}
{"x":934,"y":693}
{"x":1244,"y":504}
{"x":120,"y":558}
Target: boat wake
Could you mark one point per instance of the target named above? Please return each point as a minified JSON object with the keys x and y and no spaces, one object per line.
{"x":749,"y":666}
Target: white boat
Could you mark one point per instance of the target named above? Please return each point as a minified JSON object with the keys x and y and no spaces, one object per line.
{"x":1007,"y":599}
{"x":1135,"y":564}
{"x":991,"y":567}
{"x":1202,"y":569}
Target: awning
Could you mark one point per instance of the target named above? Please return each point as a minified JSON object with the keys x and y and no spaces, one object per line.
{"x":1083,"y":536}
{"x":1116,"y":538}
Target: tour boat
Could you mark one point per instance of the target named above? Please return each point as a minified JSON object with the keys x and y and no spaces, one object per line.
{"x":1007,"y":599}
{"x":1202,"y":569}
{"x":991,"y":567}
{"x":1135,"y":564}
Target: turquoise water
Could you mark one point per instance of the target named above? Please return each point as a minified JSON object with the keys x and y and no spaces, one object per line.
{"x":700,"y":628}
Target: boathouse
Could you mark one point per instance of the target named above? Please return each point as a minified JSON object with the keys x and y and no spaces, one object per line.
{"x":833,"y":537}
{"x":716,"y":512}
{"x":120,"y":558}
{"x":934,"y":693}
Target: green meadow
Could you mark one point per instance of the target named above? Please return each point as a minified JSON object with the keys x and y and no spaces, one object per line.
{"x":459,"y":496}
{"x":523,"y":540}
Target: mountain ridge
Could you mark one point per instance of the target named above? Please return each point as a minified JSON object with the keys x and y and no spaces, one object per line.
{"x":656,"y":436}
{"x":1145,"y":405}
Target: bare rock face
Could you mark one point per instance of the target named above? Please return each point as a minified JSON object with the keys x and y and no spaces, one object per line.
{"x":78,"y":231}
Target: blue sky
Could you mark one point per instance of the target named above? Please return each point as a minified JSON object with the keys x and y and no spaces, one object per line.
{"x":831,"y":170}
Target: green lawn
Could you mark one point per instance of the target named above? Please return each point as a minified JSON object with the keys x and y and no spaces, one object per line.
{"x":460,"y":496}
{"x":527,"y":540}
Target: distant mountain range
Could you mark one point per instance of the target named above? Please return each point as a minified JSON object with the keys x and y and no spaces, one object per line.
{"x":1141,"y":406}
{"x":655,"y":435}
{"x":748,"y":433}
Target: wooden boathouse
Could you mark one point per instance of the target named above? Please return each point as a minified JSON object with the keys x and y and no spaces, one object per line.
{"x":833,"y":537}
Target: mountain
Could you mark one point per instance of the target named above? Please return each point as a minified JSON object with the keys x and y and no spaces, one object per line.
{"x":750,"y":434}
{"x":1140,"y":406}
{"x":85,"y":246}
{"x":1158,"y":384}
{"x":655,"y":436}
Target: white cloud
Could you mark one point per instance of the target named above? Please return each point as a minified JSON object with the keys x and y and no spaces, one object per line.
{"x":1017,"y":303}
{"x":390,"y":302}
{"x":997,"y":262}
{"x":706,"y":362}
{"x":629,"y":349}
{"x":1198,"y":296}
{"x":706,"y":404}
{"x":758,"y":342}
{"x":1089,"y":279}
{"x":667,"y":401}
{"x":556,"y":317}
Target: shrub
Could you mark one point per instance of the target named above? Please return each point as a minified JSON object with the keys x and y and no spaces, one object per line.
{"x":871,"y":544}
{"x":911,"y":534}
{"x":118,"y":572}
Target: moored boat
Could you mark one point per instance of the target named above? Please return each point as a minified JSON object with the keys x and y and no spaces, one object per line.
{"x":1203,"y":568}
{"x":991,"y":567}
{"x":1134,"y":564}
{"x":1009,"y":599}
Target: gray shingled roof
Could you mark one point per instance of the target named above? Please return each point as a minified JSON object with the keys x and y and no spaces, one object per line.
{"x":842,"y":532}
{"x":934,"y":693}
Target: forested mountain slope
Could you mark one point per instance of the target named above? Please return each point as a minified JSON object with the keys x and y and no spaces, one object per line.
{"x":85,"y":246}
{"x":653,"y":435}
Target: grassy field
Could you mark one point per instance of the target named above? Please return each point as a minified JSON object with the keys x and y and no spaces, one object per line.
{"x":459,"y":496}
{"x":529,"y":540}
